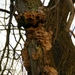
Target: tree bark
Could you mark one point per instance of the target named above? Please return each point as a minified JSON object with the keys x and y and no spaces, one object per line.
{"x":61,"y":56}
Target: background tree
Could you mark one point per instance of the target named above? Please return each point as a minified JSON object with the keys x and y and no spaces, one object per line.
{"x":11,"y":41}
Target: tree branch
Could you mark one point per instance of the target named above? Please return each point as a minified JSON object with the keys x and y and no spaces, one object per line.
{"x":71,"y":7}
{"x":3,"y":10}
{"x":72,"y":33}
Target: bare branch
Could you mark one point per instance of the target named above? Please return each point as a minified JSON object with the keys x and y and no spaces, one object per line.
{"x":71,"y":7}
{"x":72,"y":33}
{"x":56,"y":4}
{"x":3,"y":10}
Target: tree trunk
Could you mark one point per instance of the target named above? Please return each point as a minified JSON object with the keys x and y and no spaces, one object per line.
{"x":48,"y":49}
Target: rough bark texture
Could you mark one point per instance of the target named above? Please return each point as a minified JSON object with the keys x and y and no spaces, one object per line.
{"x":48,"y":46}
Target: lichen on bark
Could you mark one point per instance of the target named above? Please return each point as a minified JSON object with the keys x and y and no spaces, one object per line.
{"x":42,"y":39}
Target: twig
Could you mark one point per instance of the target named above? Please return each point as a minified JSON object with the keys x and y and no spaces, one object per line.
{"x":3,"y":10}
{"x":72,"y":33}
{"x":55,"y":5}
